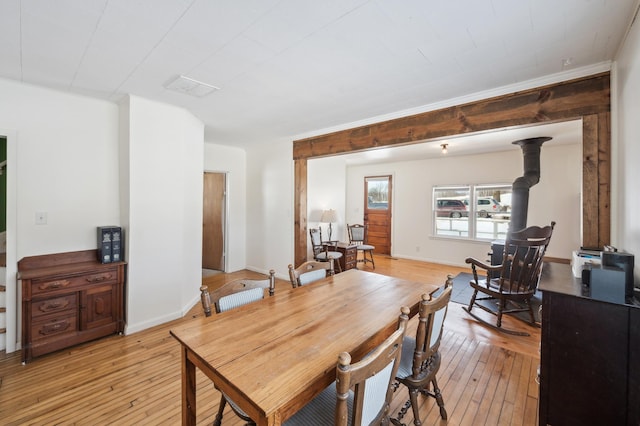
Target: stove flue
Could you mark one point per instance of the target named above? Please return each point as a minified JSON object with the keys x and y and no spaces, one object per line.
{"x":520,"y":189}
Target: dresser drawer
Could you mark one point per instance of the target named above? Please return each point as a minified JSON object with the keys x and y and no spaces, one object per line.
{"x":40,"y":286}
{"x":62,"y":324}
{"x":53,"y":305}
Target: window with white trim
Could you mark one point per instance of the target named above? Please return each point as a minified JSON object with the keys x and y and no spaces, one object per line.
{"x":477,"y":212}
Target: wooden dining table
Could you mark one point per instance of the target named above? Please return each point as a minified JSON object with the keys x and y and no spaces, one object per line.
{"x":273,"y":356}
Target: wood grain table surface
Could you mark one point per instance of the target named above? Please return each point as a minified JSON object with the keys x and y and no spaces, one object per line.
{"x":273,"y":356}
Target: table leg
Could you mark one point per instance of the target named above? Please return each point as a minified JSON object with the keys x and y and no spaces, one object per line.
{"x":188,"y":390}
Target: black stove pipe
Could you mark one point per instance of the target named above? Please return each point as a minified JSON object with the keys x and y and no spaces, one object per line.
{"x":520,"y":188}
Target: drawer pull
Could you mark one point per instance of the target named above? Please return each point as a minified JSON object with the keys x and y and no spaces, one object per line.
{"x":54,"y":327}
{"x":98,"y":278}
{"x":53,"y":305}
{"x":52,"y":285}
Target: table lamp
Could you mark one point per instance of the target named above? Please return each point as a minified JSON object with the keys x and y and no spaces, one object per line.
{"x":329,"y":216}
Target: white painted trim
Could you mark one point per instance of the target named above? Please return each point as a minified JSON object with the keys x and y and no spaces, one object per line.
{"x":13,"y":293}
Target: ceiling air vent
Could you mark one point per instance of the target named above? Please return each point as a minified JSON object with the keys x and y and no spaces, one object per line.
{"x":191,"y":87}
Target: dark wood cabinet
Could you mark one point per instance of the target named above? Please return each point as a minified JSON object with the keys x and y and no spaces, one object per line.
{"x":589,"y":360}
{"x":349,"y":255}
{"x":69,"y":298}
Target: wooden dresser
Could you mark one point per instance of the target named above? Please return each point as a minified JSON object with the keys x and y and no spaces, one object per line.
{"x":69,"y":298}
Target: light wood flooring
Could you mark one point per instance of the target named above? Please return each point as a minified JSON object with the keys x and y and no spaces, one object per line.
{"x":486,"y":377}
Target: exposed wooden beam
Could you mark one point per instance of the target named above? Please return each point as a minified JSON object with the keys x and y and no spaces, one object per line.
{"x":586,"y":98}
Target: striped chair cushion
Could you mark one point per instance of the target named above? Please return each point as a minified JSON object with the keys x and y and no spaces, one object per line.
{"x":311,"y":276}
{"x":238,"y":299}
{"x":320,"y":410}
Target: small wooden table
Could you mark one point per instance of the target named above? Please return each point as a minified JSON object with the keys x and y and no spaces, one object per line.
{"x":273,"y":356}
{"x":349,"y":255}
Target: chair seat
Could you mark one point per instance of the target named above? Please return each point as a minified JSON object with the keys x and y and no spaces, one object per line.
{"x":494,"y":286}
{"x":234,"y":406}
{"x":320,"y":410}
{"x":332,"y":255}
{"x":365,"y":247}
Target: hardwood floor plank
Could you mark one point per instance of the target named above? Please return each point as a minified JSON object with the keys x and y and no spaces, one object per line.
{"x":486,"y":377}
{"x":498,"y":401}
{"x":520,"y":390}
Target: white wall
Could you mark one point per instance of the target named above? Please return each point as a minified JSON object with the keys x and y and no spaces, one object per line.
{"x":164,"y":222}
{"x":270,"y":207}
{"x":232,"y":162}
{"x":67,"y":166}
{"x":62,"y":160}
{"x":626,"y":175}
{"x":326,"y":179}
{"x":413,"y":182}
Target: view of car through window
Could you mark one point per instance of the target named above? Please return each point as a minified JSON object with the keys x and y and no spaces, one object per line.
{"x":488,"y":218}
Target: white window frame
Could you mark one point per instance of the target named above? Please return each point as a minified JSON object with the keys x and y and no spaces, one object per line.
{"x":481,"y":228}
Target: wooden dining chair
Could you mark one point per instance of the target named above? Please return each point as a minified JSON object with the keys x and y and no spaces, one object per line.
{"x":324,"y":250}
{"x":420,"y":360}
{"x":309,"y":272}
{"x":514,"y":282}
{"x":358,"y":235}
{"x":362,"y":392}
{"x":236,"y":293}
{"x":232,"y":295}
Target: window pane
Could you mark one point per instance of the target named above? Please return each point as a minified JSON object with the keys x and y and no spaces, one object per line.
{"x":451,"y":215}
{"x":492,"y":211}
{"x":378,"y":193}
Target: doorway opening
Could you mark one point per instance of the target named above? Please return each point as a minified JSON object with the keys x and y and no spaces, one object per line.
{"x":214,"y":223}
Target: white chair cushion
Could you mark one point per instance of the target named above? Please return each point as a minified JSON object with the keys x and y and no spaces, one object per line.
{"x":438,"y":319}
{"x":365,"y":247}
{"x":375,"y":394}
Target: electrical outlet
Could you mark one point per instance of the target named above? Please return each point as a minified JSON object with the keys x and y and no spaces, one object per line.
{"x":41,"y":218}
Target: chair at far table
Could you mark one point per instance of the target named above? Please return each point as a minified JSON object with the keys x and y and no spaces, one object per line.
{"x":309,"y":272}
{"x":232,"y":295}
{"x":358,"y":235}
{"x":370,"y":379}
{"x":420,"y":360}
{"x":517,"y":276}
{"x":321,"y":249}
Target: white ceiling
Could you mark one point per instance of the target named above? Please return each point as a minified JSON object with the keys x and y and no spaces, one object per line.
{"x":291,"y":68}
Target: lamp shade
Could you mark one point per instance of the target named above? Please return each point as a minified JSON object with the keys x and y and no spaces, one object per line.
{"x":329,"y":216}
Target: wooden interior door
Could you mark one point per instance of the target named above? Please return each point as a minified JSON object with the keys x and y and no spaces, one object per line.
{"x":213,"y":220}
{"x":377,"y":212}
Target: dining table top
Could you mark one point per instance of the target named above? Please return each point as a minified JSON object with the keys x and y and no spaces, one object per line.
{"x":273,"y":356}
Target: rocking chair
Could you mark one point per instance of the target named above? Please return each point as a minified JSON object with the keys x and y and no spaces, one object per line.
{"x":516,"y":278}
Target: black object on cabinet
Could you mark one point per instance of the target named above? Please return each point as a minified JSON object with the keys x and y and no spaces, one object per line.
{"x":110,"y":244}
